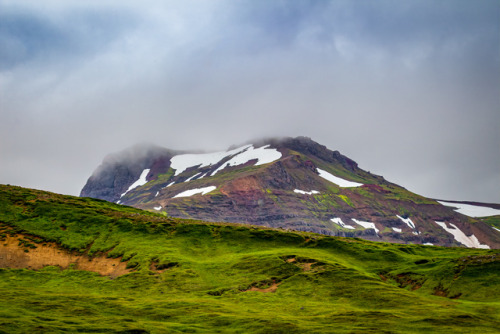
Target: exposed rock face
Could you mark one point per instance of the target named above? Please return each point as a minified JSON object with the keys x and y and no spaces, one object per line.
{"x":287,"y":192}
{"x":118,"y":171}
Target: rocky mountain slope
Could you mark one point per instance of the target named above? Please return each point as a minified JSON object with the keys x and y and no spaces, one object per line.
{"x":290,"y":183}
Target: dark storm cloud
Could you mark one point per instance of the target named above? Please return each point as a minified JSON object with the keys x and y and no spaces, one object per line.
{"x":409,"y":89}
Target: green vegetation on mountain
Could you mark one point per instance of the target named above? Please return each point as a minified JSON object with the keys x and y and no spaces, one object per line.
{"x":193,"y":277}
{"x":492,"y":221}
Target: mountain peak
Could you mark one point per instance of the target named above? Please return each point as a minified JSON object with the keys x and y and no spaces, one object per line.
{"x":293,"y":183}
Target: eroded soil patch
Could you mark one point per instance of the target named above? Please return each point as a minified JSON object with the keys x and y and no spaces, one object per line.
{"x":265,"y":286}
{"x":18,"y":253}
{"x":272,"y":288}
{"x":304,"y":264}
{"x":443,"y":292}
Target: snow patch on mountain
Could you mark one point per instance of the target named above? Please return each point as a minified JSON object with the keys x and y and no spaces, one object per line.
{"x":496,"y":228}
{"x":263,"y":155}
{"x":472,"y":210}
{"x":192,"y":177}
{"x":471,"y":242}
{"x":337,"y":180}
{"x":195,"y":191}
{"x":395,"y":229}
{"x":428,"y":244}
{"x":366,"y":224}
{"x":184,"y":161}
{"x":407,"y":221}
{"x":339,"y":221}
{"x":303,"y":192}
{"x":140,"y":182}
{"x":157,"y":208}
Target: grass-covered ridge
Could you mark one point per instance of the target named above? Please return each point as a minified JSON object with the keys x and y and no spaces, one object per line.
{"x":190,"y":276}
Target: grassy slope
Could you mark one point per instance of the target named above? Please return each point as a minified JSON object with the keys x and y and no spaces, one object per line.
{"x":333,"y":285}
{"x":492,"y":221}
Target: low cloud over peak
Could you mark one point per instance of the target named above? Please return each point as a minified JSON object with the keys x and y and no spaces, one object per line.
{"x":407,"y":89}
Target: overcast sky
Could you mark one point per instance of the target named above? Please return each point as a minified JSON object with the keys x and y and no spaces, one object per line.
{"x":408,"y":89}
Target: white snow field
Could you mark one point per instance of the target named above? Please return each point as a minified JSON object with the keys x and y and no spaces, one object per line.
{"x":263,"y":155}
{"x":395,"y":229}
{"x":460,"y":236}
{"x":238,"y":156}
{"x":366,"y":224}
{"x":192,"y":177}
{"x":472,"y":210}
{"x":428,"y":244}
{"x":303,"y":192}
{"x":157,"y":208}
{"x":496,"y":228}
{"x":337,"y":180}
{"x":339,"y":221}
{"x":140,"y":182}
{"x":182,"y":162}
{"x":192,"y":192}
{"x":407,"y":221}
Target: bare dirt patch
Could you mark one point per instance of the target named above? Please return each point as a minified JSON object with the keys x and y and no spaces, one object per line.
{"x":443,"y":292}
{"x":408,"y":280}
{"x":306,"y":266}
{"x":272,"y":288}
{"x":14,"y":254}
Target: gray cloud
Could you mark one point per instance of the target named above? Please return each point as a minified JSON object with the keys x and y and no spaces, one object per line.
{"x":409,"y":89}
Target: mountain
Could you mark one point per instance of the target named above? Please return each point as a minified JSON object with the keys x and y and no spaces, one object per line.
{"x":81,"y":265}
{"x":290,"y":183}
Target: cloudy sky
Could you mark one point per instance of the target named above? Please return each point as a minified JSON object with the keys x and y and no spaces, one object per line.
{"x":408,"y":89}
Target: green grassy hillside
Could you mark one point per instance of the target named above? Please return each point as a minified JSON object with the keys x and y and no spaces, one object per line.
{"x":194,"y":277}
{"x":492,"y":221}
